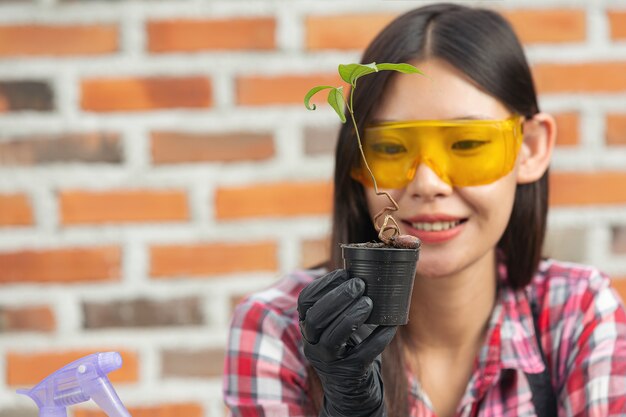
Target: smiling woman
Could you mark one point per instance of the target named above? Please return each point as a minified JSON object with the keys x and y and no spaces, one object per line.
{"x":442,"y":186}
{"x":494,"y":329}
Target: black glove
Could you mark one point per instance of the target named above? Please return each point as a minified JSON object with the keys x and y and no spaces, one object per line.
{"x":332,"y":310}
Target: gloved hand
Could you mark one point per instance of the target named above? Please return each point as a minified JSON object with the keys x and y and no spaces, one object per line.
{"x":331,"y":310}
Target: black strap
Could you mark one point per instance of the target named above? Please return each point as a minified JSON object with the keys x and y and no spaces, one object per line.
{"x":543,"y":396}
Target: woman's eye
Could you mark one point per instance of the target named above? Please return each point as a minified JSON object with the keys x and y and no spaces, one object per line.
{"x":388,"y":148}
{"x":466,"y":145}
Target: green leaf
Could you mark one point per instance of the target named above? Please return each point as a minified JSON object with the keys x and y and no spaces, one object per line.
{"x":351,"y":72}
{"x":311,"y":93}
{"x":336,"y":101}
{"x":404,"y":68}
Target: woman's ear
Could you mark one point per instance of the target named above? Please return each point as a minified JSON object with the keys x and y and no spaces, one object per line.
{"x":536,"y":150}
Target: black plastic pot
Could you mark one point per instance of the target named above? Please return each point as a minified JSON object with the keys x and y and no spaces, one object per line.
{"x":389,"y":274}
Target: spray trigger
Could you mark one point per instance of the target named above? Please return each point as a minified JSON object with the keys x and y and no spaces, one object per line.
{"x":77,"y":382}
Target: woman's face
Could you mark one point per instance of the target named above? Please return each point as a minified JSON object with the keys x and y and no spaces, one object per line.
{"x":474,"y":218}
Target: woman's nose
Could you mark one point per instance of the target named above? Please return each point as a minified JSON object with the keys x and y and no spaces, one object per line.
{"x":426,"y":184}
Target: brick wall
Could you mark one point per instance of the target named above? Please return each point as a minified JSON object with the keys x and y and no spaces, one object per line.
{"x":157,"y":163}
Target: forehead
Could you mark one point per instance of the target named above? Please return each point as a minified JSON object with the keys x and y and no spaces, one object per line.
{"x":442,"y":93}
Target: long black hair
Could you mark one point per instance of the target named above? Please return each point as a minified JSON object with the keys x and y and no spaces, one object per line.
{"x":482,"y":45}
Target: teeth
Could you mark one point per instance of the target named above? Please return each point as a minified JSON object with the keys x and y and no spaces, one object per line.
{"x":435,"y":226}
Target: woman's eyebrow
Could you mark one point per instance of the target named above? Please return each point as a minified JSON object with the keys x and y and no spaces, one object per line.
{"x":475,"y":117}
{"x":464,"y":117}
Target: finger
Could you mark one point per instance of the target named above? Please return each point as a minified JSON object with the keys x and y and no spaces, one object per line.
{"x":329,"y":307}
{"x":338,"y":333}
{"x":375,"y":343}
{"x":316,"y":290}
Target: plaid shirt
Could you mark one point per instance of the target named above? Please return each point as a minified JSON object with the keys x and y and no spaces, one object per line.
{"x":582,"y":323}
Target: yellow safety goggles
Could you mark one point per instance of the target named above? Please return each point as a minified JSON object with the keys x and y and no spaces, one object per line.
{"x":461,"y":152}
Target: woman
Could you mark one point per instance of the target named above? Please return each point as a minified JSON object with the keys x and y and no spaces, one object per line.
{"x":494,"y":330}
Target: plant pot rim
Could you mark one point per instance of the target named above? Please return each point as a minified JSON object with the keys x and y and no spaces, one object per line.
{"x":363,"y":246}
{"x":383,"y":254}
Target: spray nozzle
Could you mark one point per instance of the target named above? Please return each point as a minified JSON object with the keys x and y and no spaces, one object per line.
{"x":77,"y":382}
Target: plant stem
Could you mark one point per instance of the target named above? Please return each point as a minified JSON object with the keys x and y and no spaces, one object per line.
{"x":388,"y":217}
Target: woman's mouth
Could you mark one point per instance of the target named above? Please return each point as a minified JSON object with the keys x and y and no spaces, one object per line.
{"x":435,"y":231}
{"x":435,"y":226}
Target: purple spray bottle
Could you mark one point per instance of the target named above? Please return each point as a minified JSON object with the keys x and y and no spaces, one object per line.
{"x":77,"y":382}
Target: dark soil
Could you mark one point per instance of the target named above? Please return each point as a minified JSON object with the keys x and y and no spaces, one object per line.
{"x":397,"y":242}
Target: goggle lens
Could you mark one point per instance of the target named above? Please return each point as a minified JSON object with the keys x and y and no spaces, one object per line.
{"x":462,"y":153}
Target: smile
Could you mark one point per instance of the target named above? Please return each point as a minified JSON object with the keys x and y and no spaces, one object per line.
{"x":435,"y":226}
{"x":436,"y":230}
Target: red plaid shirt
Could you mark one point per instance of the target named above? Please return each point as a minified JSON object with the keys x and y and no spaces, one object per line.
{"x":583,"y":334}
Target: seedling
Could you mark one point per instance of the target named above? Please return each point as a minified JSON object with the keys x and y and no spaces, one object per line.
{"x":350,"y":73}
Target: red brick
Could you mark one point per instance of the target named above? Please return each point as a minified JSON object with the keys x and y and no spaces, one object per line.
{"x":593,"y":77}
{"x":136,"y":94}
{"x":48,"y":149}
{"x":15,"y":210}
{"x":141,"y":206}
{"x":618,"y":244}
{"x":346,"y":31}
{"x":273,"y":200}
{"x":314,"y":251}
{"x":162,"y":410}
{"x":563,"y":243}
{"x":548,"y":25}
{"x":61,"y":265}
{"x":616,"y":129}
{"x":27,"y":410}
{"x":287,"y":89}
{"x":185,"y":363}
{"x":234,"y":302}
{"x":26,"y":318}
{"x":179,"y":147}
{"x":617,"y":22}
{"x":26,"y":95}
{"x":320,"y":140}
{"x":568,"y":133}
{"x":587,"y":188}
{"x":212,"y":259}
{"x":355,"y":31}
{"x":30,"y":368}
{"x":619,"y":283}
{"x":60,"y":40}
{"x":200,"y":35}
{"x":143,"y":312}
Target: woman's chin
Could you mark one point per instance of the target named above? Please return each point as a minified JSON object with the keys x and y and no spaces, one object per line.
{"x":433,"y":270}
